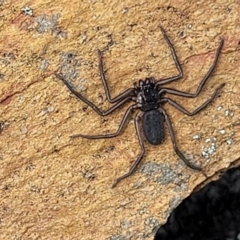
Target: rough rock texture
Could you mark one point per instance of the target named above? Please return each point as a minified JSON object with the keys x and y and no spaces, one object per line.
{"x":54,"y":187}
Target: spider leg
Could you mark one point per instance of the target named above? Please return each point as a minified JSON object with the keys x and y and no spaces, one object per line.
{"x":182,"y":109}
{"x":121,"y":95}
{"x":172,"y":136}
{"x":89,"y":103}
{"x":176,"y":61}
{"x":140,"y":156}
{"x":200,"y":86}
{"x":110,"y":135}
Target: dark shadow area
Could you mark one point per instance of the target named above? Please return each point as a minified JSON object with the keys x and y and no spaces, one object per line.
{"x":212,"y":213}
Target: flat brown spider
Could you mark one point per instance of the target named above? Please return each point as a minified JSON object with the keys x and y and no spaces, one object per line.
{"x":148,"y":96}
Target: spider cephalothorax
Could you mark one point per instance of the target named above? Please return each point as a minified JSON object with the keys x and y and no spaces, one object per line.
{"x":148,"y":97}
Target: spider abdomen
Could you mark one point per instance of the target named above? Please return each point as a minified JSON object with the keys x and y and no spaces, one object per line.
{"x":153,"y":126}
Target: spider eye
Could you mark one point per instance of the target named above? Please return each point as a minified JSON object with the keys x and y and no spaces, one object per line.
{"x":152,"y":80}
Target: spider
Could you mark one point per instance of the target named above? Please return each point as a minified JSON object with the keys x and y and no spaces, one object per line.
{"x":148,"y":97}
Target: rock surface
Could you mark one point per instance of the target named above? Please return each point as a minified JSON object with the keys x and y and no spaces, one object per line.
{"x":54,"y":187}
